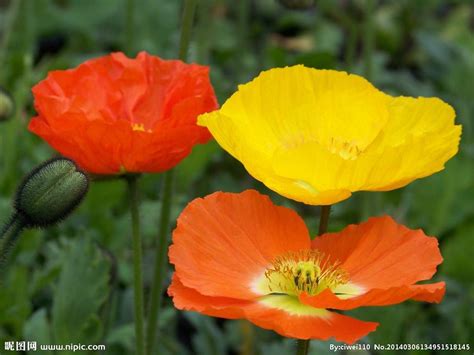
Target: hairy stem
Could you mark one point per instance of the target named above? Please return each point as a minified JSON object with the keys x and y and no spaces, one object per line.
{"x":9,"y":233}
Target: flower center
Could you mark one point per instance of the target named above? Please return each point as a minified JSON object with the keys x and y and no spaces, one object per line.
{"x":140,"y":127}
{"x":346,"y":150}
{"x":307,"y":271}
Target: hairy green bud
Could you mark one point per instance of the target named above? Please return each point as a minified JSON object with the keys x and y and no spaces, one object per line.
{"x":297,"y":4}
{"x":6,"y":105}
{"x":51,"y":192}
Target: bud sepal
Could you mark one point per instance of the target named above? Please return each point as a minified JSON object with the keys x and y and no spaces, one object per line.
{"x":50,"y":192}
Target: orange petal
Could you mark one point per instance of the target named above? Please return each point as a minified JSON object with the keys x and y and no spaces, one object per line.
{"x":381,"y":253}
{"x":332,"y":325}
{"x":377,"y":297}
{"x":88,"y":113}
{"x":188,"y":299}
{"x":225,"y":241}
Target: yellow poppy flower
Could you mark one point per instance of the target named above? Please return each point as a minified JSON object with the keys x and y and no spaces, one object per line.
{"x":316,"y":136}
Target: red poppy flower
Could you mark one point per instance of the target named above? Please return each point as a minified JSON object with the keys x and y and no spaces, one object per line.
{"x":114,"y":114}
{"x":240,"y":256}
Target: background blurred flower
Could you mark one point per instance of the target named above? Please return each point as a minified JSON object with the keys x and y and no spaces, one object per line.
{"x":316,"y":136}
{"x":240,"y":256}
{"x":115,"y":114}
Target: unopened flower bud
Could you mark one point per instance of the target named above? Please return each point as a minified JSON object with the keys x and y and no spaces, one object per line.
{"x":51,"y":192}
{"x":297,"y":4}
{"x":6,"y":105}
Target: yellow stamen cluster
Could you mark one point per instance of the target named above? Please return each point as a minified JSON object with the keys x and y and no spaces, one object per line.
{"x":307,"y":271}
{"x":346,"y":150}
{"x":140,"y":127}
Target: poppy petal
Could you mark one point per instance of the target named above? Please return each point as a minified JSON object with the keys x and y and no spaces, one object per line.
{"x":115,"y":113}
{"x":290,"y":318}
{"x":380,"y":253}
{"x":224,"y":242}
{"x":188,"y":299}
{"x":317,"y":136}
{"x":282,"y":314}
{"x":377,"y":297}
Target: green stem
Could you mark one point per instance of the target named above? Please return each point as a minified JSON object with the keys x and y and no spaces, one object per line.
{"x":243,"y":22}
{"x":130,"y":27}
{"x":156,"y":295}
{"x":167,"y":192}
{"x":186,"y":27}
{"x":324,"y":219}
{"x":160,"y":260}
{"x":368,"y":49}
{"x":303,"y":345}
{"x":351,"y":46}
{"x":247,"y":336}
{"x":204,"y":33}
{"x":369,"y":39}
{"x":9,"y":233}
{"x":8,"y":30}
{"x":22,"y":21}
{"x":132,"y":181}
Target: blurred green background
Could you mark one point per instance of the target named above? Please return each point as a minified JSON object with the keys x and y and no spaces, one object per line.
{"x":72,"y":283}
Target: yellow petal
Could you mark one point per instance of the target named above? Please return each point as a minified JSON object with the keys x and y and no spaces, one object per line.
{"x":316,"y":136}
{"x":414,"y":117}
{"x":393,"y":168}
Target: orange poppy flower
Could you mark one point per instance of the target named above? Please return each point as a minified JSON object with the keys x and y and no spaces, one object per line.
{"x":115,"y":114}
{"x":240,"y":256}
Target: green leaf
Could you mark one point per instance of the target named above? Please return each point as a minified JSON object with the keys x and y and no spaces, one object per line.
{"x":15,"y":305}
{"x":37,"y":328}
{"x":81,"y":291}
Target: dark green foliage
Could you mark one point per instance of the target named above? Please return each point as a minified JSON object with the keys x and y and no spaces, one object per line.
{"x":297,"y":4}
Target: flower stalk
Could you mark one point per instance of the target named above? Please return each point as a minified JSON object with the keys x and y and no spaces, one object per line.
{"x":167,"y":192}
{"x":9,"y":233}
{"x":130,"y":27}
{"x":156,"y":295}
{"x":132,"y":181}
{"x":303,"y":344}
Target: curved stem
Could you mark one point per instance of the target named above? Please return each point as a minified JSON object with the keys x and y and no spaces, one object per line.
{"x":137,"y":263}
{"x":9,"y":233}
{"x":303,"y":345}
{"x":156,"y":295}
{"x":160,"y":260}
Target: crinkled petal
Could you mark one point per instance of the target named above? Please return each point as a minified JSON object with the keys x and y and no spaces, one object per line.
{"x":381,"y":254}
{"x":224,"y":242}
{"x":115,"y":113}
